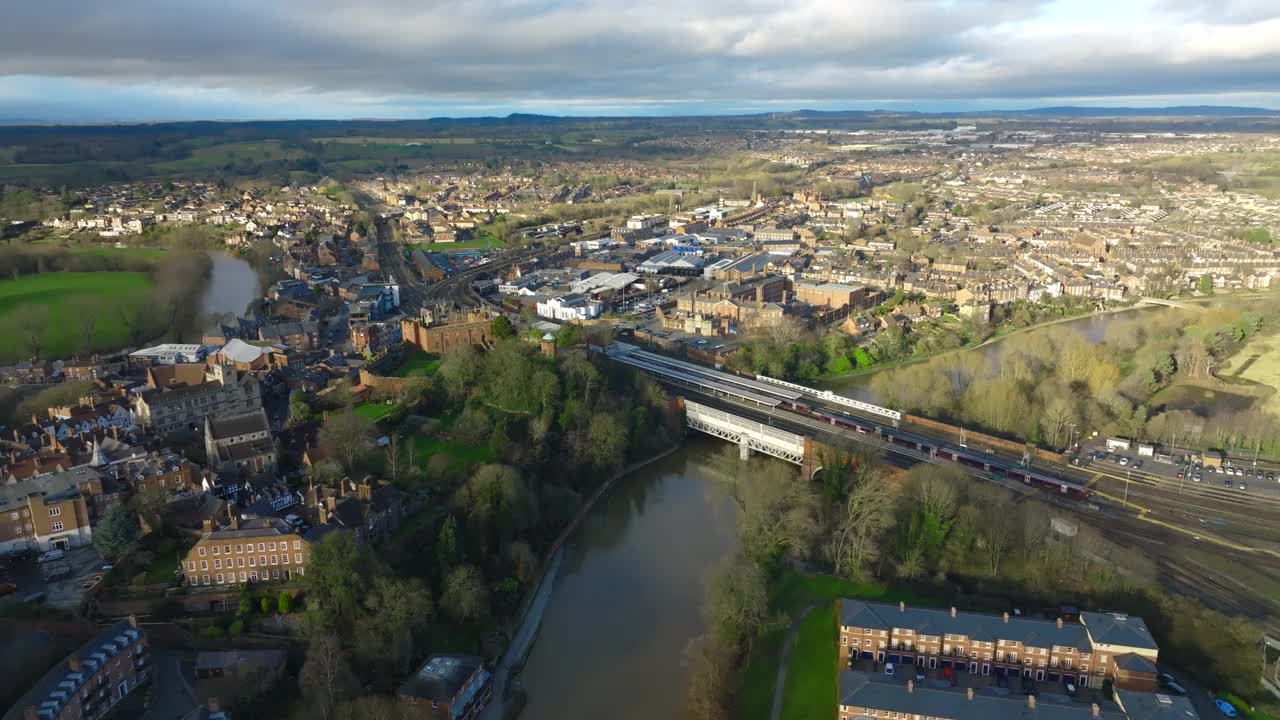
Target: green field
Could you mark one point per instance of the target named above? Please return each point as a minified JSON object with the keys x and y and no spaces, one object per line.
{"x":212,"y":157}
{"x":374,"y":410}
{"x":417,"y":363}
{"x":792,"y":594}
{"x":67,"y":296}
{"x":1259,"y":362}
{"x":810,"y":689}
{"x":461,"y":457}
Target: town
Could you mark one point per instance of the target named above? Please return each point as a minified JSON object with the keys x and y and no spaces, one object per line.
{"x":333,"y":467}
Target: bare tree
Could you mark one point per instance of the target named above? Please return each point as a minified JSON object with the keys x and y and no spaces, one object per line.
{"x":326,"y":678}
{"x":867,"y":512}
{"x":87,"y":316}
{"x":33,"y":321}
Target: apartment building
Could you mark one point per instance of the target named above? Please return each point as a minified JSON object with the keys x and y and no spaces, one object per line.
{"x":48,"y":511}
{"x":834,"y":295}
{"x":1098,"y":647}
{"x":195,"y":392}
{"x":254,"y":550}
{"x":89,"y":682}
{"x":447,"y":687}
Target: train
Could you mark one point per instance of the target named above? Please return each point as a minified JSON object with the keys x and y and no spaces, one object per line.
{"x":1068,"y":487}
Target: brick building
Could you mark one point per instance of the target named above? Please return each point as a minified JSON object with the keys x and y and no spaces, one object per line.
{"x":834,"y":295}
{"x":246,"y":551}
{"x":91,"y":680}
{"x":182,"y":396}
{"x":48,"y":511}
{"x":447,"y":687}
{"x":440,"y":338}
{"x":1098,"y":647}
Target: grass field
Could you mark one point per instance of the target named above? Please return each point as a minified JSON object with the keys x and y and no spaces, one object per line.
{"x":810,"y":689}
{"x":461,"y":457}
{"x":216,"y":156}
{"x":66,"y":295}
{"x":1259,"y":362}
{"x":417,"y":363}
{"x":793,"y":593}
{"x":374,"y":410}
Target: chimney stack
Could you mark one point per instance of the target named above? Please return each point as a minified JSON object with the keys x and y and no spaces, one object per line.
{"x":902,"y":606}
{"x":969,"y":693}
{"x":953,"y":611}
{"x":1031,"y":702}
{"x":235,"y":520}
{"x":74,"y":663}
{"x":1059,"y":623}
{"x":911,"y":685}
{"x":1095,"y":710}
{"x":208,"y":526}
{"x":1006,"y":617}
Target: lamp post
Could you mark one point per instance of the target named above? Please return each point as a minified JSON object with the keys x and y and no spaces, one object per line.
{"x":1127,"y":475}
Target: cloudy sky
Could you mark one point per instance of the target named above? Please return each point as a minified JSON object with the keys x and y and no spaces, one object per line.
{"x":113,"y":60}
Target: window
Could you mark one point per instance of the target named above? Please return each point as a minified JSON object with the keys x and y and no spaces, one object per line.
{"x":262,"y":547}
{"x":217,"y":564}
{"x":13,"y":516}
{"x":275,"y":559}
{"x":262,"y":559}
{"x":206,"y":580}
{"x":242,"y":576}
{"x":240,"y":562}
{"x":239,"y":548}
{"x":275,"y":573}
{"x":285,"y":558}
{"x":201,"y":551}
{"x":55,"y":526}
{"x":253,"y":576}
{"x":215,"y":549}
{"x":297,"y":544}
{"x":55,"y":511}
{"x":219,"y":578}
{"x":271,"y":547}
{"x":253,"y":561}
{"x":204,"y":564}
{"x":297,"y":558}
{"x":226,"y":550}
{"x":191,"y":565}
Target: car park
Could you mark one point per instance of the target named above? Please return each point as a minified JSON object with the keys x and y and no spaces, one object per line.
{"x":1123,"y":460}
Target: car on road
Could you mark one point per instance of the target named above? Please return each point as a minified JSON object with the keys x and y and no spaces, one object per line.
{"x":1226,"y":708}
{"x":1199,"y":477}
{"x":1123,"y":460}
{"x":1240,"y":485}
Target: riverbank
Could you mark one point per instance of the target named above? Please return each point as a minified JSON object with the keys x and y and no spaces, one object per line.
{"x":535,"y":604}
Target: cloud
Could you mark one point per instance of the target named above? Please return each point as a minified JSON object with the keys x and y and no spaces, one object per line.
{"x":333,"y":58}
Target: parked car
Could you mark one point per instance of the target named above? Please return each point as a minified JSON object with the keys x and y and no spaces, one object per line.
{"x":51,"y":555}
{"x":1199,"y":477}
{"x":888,"y":669}
{"x":1240,"y":486}
{"x":1071,"y":687}
{"x":1226,"y":708}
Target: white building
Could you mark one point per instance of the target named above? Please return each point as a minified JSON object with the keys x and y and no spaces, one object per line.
{"x":570,"y":307}
{"x":170,"y":354}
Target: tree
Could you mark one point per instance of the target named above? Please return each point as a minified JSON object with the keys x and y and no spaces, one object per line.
{"x":501,"y":328}
{"x":33,"y":322}
{"x":1204,"y":285}
{"x":335,"y":581}
{"x":447,"y":553}
{"x":737,"y":600}
{"x":115,"y":533}
{"x":867,"y":513}
{"x":396,"y":613}
{"x":151,"y":506}
{"x":776,"y":515}
{"x":326,"y":678}
{"x":709,"y":663}
{"x":86,"y":311}
{"x":465,"y":596}
{"x":497,"y":502}
{"x":284,"y":603}
{"x":299,"y":408}
{"x":348,"y":436}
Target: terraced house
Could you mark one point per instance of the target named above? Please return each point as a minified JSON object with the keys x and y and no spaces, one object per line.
{"x":1098,"y":647}
{"x":89,"y":683}
{"x":255,"y":550}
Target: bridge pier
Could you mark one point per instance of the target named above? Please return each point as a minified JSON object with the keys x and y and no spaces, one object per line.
{"x":744,"y":450}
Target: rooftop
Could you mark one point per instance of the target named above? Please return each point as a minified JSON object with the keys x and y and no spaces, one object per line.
{"x":975,"y":626}
{"x":880,"y":692}
{"x":441,"y":677}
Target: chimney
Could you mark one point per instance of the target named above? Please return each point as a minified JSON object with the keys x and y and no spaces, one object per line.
{"x":74,"y":663}
{"x":969,"y":693}
{"x":208,"y":526}
{"x":902,"y":606}
{"x":235,"y":520}
{"x":1031,"y":702}
{"x":1095,"y":710}
{"x":1059,"y":623}
{"x":953,"y":611}
{"x":1006,"y":617}
{"x":911,"y":685}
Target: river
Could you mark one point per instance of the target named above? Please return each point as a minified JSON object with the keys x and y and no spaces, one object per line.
{"x":629,"y":595}
{"x":1093,"y":327}
{"x":232,"y":286}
